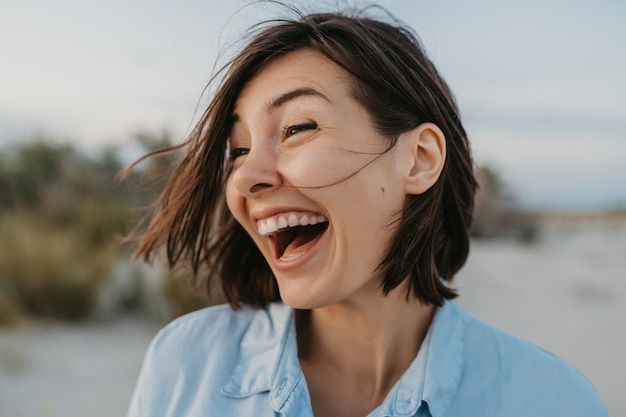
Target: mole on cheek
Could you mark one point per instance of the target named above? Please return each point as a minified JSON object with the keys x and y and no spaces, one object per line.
{"x":382,"y":189}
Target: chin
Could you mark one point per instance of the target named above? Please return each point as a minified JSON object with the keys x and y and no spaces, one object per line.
{"x":299,"y":302}
{"x":302,"y":300}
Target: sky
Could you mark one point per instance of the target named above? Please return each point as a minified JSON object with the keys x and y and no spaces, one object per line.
{"x":541,"y":84}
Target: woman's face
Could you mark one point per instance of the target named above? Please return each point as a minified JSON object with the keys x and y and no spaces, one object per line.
{"x":311,"y":182}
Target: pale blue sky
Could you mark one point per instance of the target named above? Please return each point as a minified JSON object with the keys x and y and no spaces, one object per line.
{"x":541,"y":84}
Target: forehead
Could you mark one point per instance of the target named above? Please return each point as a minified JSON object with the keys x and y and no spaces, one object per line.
{"x":302,"y":70}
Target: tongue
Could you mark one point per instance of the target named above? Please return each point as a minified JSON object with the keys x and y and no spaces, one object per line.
{"x":303,"y":242}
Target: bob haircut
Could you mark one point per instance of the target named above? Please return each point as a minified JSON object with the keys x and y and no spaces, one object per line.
{"x":399,"y":86}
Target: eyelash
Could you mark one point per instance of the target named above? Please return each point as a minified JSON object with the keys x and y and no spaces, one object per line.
{"x":287,"y":132}
{"x":237,"y":152}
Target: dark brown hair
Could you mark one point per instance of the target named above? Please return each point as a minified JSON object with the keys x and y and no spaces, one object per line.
{"x":401,"y":89}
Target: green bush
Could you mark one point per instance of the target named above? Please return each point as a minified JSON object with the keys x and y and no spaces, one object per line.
{"x":62,"y":214}
{"x":49,"y":270}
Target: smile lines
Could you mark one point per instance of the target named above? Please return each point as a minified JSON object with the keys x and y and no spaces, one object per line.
{"x":286,"y":220}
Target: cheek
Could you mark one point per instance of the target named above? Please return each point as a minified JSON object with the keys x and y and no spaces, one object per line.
{"x":234,"y":201}
{"x":322,"y":167}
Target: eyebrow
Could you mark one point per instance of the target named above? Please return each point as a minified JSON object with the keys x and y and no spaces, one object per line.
{"x":272,"y":105}
{"x":291,"y":95}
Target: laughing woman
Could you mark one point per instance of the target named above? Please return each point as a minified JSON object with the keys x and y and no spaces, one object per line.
{"x":329,"y":190}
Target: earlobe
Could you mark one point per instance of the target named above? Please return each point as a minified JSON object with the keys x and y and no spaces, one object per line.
{"x":427,"y":147}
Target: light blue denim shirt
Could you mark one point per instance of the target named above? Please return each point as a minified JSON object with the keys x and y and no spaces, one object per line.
{"x":218,"y":362}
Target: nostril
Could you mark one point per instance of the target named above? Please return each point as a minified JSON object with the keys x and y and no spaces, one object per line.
{"x":259,"y":187}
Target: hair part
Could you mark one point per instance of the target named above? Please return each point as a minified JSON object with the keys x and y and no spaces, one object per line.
{"x":401,"y":89}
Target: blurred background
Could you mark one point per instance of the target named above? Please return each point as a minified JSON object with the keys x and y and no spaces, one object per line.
{"x":86,"y":87}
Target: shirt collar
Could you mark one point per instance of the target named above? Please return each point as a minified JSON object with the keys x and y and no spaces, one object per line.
{"x":444,"y":359}
{"x":434,"y":375}
{"x":259,"y":348}
{"x":268,"y":361}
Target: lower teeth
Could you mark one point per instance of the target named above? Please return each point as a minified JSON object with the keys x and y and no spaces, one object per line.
{"x":292,"y":257}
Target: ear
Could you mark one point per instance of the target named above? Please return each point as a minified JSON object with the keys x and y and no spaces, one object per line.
{"x":426,"y":146}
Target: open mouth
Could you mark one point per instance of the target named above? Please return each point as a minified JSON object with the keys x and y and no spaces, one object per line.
{"x":294,"y":234}
{"x":291,"y":243}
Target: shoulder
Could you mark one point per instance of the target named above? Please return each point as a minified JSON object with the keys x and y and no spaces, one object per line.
{"x":200,"y":325}
{"x":216,"y":328}
{"x":191,"y":359}
{"x":510,"y":375}
{"x":188,"y":345}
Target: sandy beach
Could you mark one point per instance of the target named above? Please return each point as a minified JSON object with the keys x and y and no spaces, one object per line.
{"x":566,"y":293}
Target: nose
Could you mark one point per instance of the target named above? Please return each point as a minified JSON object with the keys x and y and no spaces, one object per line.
{"x":256,"y":174}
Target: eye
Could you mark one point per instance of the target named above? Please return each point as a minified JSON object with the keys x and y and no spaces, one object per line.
{"x":295,"y":129}
{"x":237,"y":152}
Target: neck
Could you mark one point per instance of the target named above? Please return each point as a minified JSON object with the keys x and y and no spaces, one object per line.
{"x":369,"y":342}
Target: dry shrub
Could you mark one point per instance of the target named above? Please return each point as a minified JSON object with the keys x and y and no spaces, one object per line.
{"x":51,"y":271}
{"x":183,"y":294}
{"x":9,"y":312}
{"x":497,"y":213}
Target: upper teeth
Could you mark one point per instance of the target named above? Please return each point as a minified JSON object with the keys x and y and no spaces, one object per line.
{"x":285,"y":220}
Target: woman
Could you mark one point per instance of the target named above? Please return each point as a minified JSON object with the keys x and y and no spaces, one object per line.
{"x":334,"y":225}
